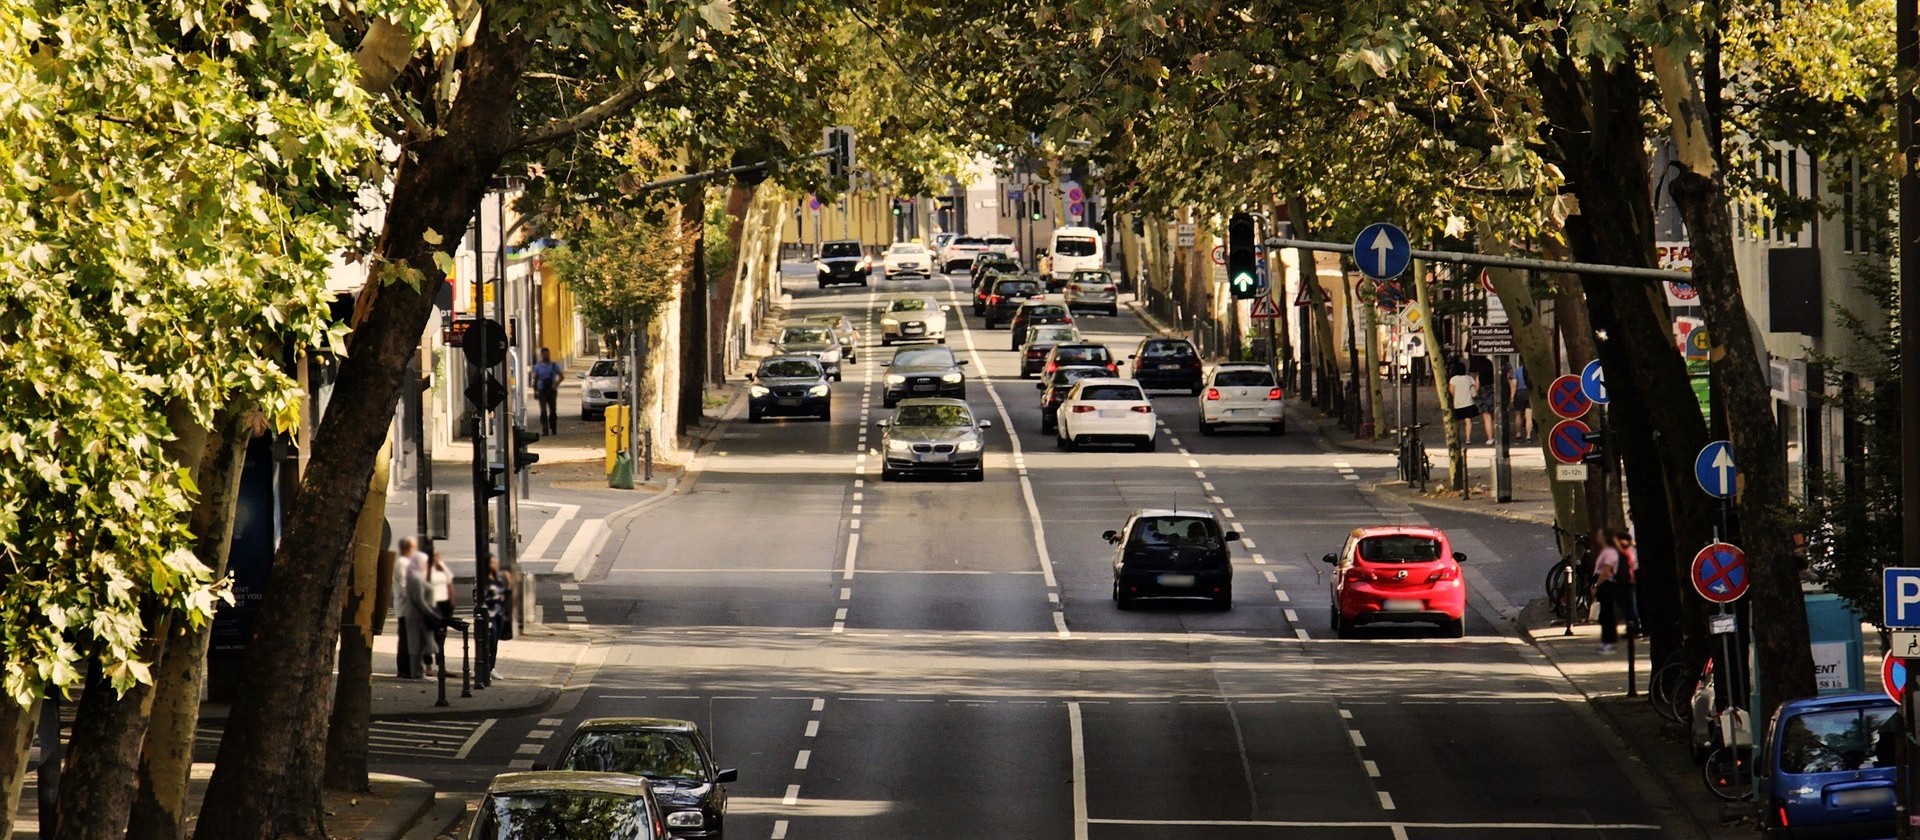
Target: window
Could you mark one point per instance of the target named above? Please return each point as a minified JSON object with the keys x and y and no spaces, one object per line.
{"x":1049,"y":310}
{"x":805,"y":335}
{"x":1176,"y":530}
{"x":926,"y":356}
{"x":1167,"y":350}
{"x":908,"y":249}
{"x":1092,"y":277}
{"x":1399,"y":548}
{"x":933,"y":415}
{"x":1111,"y":393}
{"x":1840,"y":740}
{"x":1243,"y":379}
{"x":1016,"y":287}
{"x":562,"y":814}
{"x":908,"y":305}
{"x":789,"y":369}
{"x":1075,"y":246}
{"x":604,"y":367}
{"x":1081,"y":355}
{"x":837,"y":250}
{"x":656,"y":755}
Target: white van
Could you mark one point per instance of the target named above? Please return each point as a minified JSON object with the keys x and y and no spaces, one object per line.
{"x":1076,"y":249}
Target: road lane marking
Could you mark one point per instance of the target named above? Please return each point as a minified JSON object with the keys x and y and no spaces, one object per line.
{"x":1292,"y":617}
{"x":840,"y":614}
{"x":792,"y":797}
{"x":1282,"y":595}
{"x":1271,"y":577}
{"x":1441,"y":826}
{"x":537,"y":548}
{"x":800,"y":763}
{"x":1207,"y":486}
{"x":779,"y":830}
{"x":1400,"y":832}
{"x":1226,"y":512}
{"x":1301,"y":634}
{"x":577,"y":548}
{"x":819,"y":703}
{"x":468,"y":745}
{"x":1348,"y":715}
{"x":1077,"y":737}
{"x":853,"y":544}
{"x":1373,"y":770}
{"x":846,"y":593}
{"x":813,"y":729}
{"x":1060,"y":624}
{"x":1246,"y":542}
{"x":1386,"y":801}
{"x":1357,"y":739}
{"x":1216,"y":500}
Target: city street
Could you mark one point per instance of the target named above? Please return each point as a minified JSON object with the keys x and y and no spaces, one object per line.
{"x":929,"y":658}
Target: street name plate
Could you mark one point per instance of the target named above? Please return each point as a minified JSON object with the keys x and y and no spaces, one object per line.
{"x":1721,"y":624}
{"x":1186,"y":236}
{"x":1570,"y":472}
{"x":1491,"y":340}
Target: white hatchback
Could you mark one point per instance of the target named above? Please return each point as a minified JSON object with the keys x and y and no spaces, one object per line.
{"x":1106,"y":410}
{"x":1242,"y":394}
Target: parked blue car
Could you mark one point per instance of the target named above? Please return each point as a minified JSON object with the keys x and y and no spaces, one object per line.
{"x":1828,"y":770}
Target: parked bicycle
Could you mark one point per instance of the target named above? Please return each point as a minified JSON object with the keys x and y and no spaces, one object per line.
{"x":1415,"y":467}
{"x":1569,"y":582}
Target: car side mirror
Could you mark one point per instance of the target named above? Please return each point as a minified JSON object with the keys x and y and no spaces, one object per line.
{"x":1459,"y":558}
{"x":887,"y":363}
{"x":541,"y":765}
{"x":749,"y":377}
{"x":1329,"y":559}
{"x":725,"y":776}
{"x":1230,"y":536}
{"x":963,"y":362}
{"x":882,"y":422}
{"x":1041,"y":386}
{"x":986,"y":424}
{"x":1110,"y":536}
{"x":1133,"y":355}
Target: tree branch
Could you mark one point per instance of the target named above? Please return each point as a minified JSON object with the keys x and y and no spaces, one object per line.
{"x":615,"y":104}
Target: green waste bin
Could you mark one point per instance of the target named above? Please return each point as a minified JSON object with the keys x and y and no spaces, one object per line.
{"x":622,"y":476}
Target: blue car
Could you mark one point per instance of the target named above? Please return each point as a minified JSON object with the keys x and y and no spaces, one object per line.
{"x":1828,"y":770}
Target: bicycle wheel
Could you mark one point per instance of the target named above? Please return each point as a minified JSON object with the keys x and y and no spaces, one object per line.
{"x":1665,"y":687}
{"x":1729,"y":774}
{"x":1556,"y":581}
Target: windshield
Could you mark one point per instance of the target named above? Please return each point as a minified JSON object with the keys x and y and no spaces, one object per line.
{"x":1243,"y":379}
{"x":563,"y":815}
{"x":789,"y":369}
{"x":839,"y":249}
{"x":1074,"y":246}
{"x":1053,"y":335}
{"x":1016,"y":287}
{"x":1167,"y":350}
{"x":1126,"y":393}
{"x":805,"y":335}
{"x":1064,"y":379}
{"x":605,"y":367}
{"x":1092,"y":277}
{"x":1399,"y":548}
{"x":1176,"y":531}
{"x":1081,"y":355}
{"x":1843,"y":739}
{"x":928,"y":356}
{"x":908,"y":305}
{"x":907,"y":248}
{"x":655,"y":755}
{"x":933,"y":415}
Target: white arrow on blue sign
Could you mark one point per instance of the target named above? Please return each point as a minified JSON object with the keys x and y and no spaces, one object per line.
{"x":1715,"y":471}
{"x":1593,"y":382}
{"x":1900,"y":597}
{"x":1382,"y":251}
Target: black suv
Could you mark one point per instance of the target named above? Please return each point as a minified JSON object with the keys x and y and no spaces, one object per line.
{"x":1006,"y":295}
{"x":1167,"y":363}
{"x":987,"y":267}
{"x":1053,"y":392}
{"x":791,"y":385}
{"x":843,"y":262}
{"x":1172,"y":554}
{"x":1036,"y":312}
{"x":923,"y":372}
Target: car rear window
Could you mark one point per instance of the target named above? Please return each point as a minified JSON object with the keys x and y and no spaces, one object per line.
{"x":1176,"y":530}
{"x":1399,"y":548}
{"x":968,"y":240}
{"x":1074,"y":246}
{"x":1081,"y":355}
{"x":1048,"y":310}
{"x":1016,"y":287}
{"x":1126,"y":393}
{"x":909,"y":248}
{"x":605,"y":367}
{"x":1837,"y":740}
{"x":1167,"y":350}
{"x":1093,"y":278}
{"x":789,"y":368}
{"x":1243,"y":379}
{"x":998,"y":240}
{"x":839,"y":249}
{"x":1053,"y":335}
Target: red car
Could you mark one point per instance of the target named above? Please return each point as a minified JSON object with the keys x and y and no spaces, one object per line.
{"x":1395,"y":573}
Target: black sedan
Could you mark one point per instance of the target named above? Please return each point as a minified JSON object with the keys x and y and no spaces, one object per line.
{"x":924,"y":372}
{"x":1005,"y":297}
{"x":671,"y":754}
{"x":845,"y":261}
{"x":932,"y":437}
{"x":1054,"y":388}
{"x":789,"y":385}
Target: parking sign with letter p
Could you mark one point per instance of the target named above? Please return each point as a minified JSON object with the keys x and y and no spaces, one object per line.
{"x":1900,"y":597}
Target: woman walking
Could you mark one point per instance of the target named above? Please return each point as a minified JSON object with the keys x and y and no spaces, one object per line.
{"x":440,"y":591}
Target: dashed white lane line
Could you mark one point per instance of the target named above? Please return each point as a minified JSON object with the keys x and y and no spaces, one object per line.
{"x":1246,"y":542}
{"x":1282,"y":595}
{"x":800,"y":762}
{"x":1301,"y":634}
{"x":813,"y":729}
{"x":1226,"y":512}
{"x":779,"y":830}
{"x":846,"y":593}
{"x":1348,"y":715}
{"x":1351,"y":477}
{"x":1271,"y":577}
{"x":818,"y":704}
{"x":1373,"y":770}
{"x":1399,"y":832}
{"x":1257,"y":557}
{"x":1355,"y":736}
{"x":840,"y":614}
{"x":1202,"y":474}
{"x":853,"y":545}
{"x":792,"y":797}
{"x":1216,"y":500}
{"x":1292,"y":617}
{"x":1207,"y":486}
{"x":1077,"y":739}
{"x":1386,"y":801}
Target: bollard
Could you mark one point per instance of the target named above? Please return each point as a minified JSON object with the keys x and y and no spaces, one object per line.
{"x":1632,"y":690}
{"x":466,"y":669}
{"x":440,"y":674}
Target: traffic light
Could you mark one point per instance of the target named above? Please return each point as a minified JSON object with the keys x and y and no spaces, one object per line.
{"x":523,"y":438}
{"x":1596,"y":447}
{"x":1242,"y":263}
{"x":1037,"y":205}
{"x":496,"y":483}
{"x":896,"y":206}
{"x":840,"y":143}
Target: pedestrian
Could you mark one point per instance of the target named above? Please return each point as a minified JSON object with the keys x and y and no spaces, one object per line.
{"x":440,"y":592}
{"x":500,"y":611}
{"x":1460,"y":387}
{"x":1607,"y":580}
{"x":546,"y":387}
{"x":1485,"y":398}
{"x":1522,"y":390}
{"x":1627,"y":582}
{"x":407,"y":657}
{"x":422,"y":619}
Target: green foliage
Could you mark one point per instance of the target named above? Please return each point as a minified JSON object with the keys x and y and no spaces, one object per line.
{"x":174,"y":194}
{"x":623,"y":267}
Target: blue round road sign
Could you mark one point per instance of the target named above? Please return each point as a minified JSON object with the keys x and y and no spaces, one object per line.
{"x":1568,"y":440}
{"x":1720,"y":573}
{"x":1713,"y":468}
{"x":1568,"y":397}
{"x":1382,"y":251}
{"x":1593,"y":382}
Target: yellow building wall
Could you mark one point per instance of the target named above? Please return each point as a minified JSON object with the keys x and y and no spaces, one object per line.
{"x":556,"y":314}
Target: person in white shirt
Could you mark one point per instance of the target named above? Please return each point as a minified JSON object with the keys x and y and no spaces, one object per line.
{"x":1462,"y":389}
{"x":408,"y":656}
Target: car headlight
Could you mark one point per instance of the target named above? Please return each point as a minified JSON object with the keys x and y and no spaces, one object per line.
{"x":830,"y":356}
{"x":952,"y":377}
{"x":820,"y":267}
{"x":896,"y":379}
{"x":758,"y":391}
{"x":899,"y":446}
{"x":969,"y":445}
{"x":817,"y":391}
{"x":686,"y":819}
{"x":889,"y":322}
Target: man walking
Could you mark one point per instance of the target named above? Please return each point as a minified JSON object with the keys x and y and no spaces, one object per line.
{"x":408,"y":655}
{"x":546,"y":388}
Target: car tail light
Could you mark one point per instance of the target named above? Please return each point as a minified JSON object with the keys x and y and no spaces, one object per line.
{"x":1780,"y":807}
{"x":1213,"y":393}
{"x":1053,"y":366}
{"x":1275,"y":394}
{"x":1143,"y":409}
{"x":1358,"y":575}
{"x":993,"y":299}
{"x":1449,"y":573}
{"x":1082,"y":409}
{"x":1113,"y":368}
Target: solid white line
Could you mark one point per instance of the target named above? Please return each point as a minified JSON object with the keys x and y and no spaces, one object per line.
{"x":467,"y":747}
{"x":792,"y":797}
{"x":779,"y":830}
{"x":853,"y":544}
{"x":801,"y":762}
{"x":1485,"y":826}
{"x":578,"y":547}
{"x":537,"y":548}
{"x":1386,"y":801}
{"x":1060,"y":625}
{"x":1077,"y":737}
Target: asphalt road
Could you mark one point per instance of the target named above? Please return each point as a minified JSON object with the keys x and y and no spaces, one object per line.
{"x":928,"y":659}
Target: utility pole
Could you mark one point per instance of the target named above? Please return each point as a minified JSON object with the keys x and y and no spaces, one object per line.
{"x":1907,"y":59}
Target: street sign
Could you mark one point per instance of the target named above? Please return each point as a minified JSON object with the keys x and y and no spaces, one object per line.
{"x":1900,"y":597}
{"x":1492,"y":340}
{"x":1304,"y":297}
{"x":1699,"y":344}
{"x":1219,"y":255}
{"x":1893,"y":675}
{"x":1264,"y":308}
{"x":1721,"y":624}
{"x":1720,"y":573}
{"x":1568,"y":397}
{"x":1593,"y":382}
{"x":1186,"y":236}
{"x":1486,"y":281}
{"x":1715,"y":471}
{"x":485,"y":343}
{"x":1075,"y":194}
{"x":1682,"y":294}
{"x":1906,"y":644}
{"x":1570,"y":472}
{"x":1382,"y":251}
{"x":1416,"y":317}
{"x":1076,"y":209}
{"x":1568,"y":441}
{"x":813,"y":203}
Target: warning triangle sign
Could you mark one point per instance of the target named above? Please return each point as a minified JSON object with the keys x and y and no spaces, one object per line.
{"x":1304,"y":298}
{"x":1265,"y":308}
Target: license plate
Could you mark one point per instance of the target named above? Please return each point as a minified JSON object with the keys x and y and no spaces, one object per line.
{"x":1403,"y":605}
{"x":923,"y":387}
{"x":1863,"y":798}
{"x":789,"y":402}
{"x":1242,"y":412}
{"x":1166,"y":367}
{"x":934,"y":457}
{"x":1176,"y":580}
{"x":1114,"y":413}
{"x":913,"y":328}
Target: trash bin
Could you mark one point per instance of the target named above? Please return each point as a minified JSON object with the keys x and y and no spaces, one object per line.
{"x":622,"y":476}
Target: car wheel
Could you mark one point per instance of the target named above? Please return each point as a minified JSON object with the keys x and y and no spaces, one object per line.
{"x":863,"y":284}
{"x":989,"y":323}
{"x":887,"y":474}
{"x":978,"y":475}
{"x":1046,"y":426}
{"x":887,"y":402}
{"x":1342,"y":628}
{"x":1454,"y":628}
{"x":886,"y":342}
{"x":584,"y":415}
{"x":823,"y":287}
{"x":1113,"y":311}
{"x":1279,"y":428}
{"x":979,"y":311}
{"x":1119,"y":600}
{"x":1151,"y":443}
{"x":1024,"y":373}
{"x":1060,"y":440}
{"x":838,"y":376}
{"x":826,"y":416}
{"x":1195,"y":390}
{"x":1224,"y":601}
{"x":1208,"y":429}
{"x":753,"y":415}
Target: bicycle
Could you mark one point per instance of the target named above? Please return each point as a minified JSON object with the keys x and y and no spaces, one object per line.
{"x":1671,"y":687}
{"x":1415,"y":468}
{"x":1572,"y":573}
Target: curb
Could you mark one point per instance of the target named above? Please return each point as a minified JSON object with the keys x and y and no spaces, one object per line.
{"x":398,"y":821}
{"x":442,"y":814}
